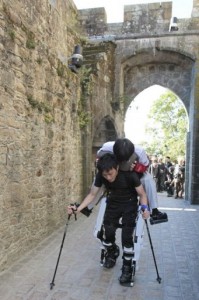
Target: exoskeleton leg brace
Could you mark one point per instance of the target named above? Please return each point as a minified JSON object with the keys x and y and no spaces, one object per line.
{"x":138,"y":237}
{"x":98,"y":230}
{"x":138,"y":234}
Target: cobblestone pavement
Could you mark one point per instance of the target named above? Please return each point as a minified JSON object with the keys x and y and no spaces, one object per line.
{"x":80,"y":276}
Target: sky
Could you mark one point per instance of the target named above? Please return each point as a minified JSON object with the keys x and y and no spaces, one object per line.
{"x":114,"y":8}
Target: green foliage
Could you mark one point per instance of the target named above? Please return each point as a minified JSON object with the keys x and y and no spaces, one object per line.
{"x":48,"y":117}
{"x":85,"y":80}
{"x":11,"y":33}
{"x":30,"y":42}
{"x":39,"y":60}
{"x":125,"y":100}
{"x":42,"y":108}
{"x":120,"y":103}
{"x":84,"y":116}
{"x":167,"y":127}
{"x":32,"y":102}
{"x":60,"y":69}
{"x":84,"y":119}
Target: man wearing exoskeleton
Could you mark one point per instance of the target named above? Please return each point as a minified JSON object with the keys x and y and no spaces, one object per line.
{"x":123,"y":189}
{"x":129,"y":158}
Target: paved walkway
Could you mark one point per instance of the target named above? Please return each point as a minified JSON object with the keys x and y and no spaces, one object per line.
{"x":80,"y":276}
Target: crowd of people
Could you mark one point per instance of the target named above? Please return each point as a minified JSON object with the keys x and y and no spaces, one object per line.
{"x":169,"y":176}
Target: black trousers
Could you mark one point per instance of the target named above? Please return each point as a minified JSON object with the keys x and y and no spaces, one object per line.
{"x":114,"y":211}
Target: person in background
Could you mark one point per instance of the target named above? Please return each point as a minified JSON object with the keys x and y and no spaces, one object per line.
{"x":179,"y":178}
{"x":162,"y":175}
{"x":154,"y":170}
{"x":169,"y":182}
{"x":168,"y":163}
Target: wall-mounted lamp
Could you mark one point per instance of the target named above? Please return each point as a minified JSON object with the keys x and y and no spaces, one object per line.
{"x":76,"y":59}
{"x":173,"y":24}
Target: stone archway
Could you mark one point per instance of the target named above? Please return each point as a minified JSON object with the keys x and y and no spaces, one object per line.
{"x":170,"y":69}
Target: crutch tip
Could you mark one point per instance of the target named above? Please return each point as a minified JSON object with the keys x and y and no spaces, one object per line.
{"x":51,"y":285}
{"x":159,"y":279}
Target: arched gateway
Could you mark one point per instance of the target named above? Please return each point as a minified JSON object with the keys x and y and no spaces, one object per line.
{"x":168,"y":68}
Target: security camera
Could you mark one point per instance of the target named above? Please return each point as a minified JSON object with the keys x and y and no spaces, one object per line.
{"x":173,"y":24}
{"x":76,"y":59}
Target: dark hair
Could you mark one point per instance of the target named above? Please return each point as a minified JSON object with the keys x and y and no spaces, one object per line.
{"x":123,"y":149}
{"x":107,"y":162}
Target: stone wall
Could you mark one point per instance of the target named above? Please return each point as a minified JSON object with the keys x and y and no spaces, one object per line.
{"x":152,"y":17}
{"x":139,"y":18}
{"x":40,"y":138}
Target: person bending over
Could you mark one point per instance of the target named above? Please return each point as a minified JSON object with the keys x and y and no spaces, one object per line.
{"x":132,"y":157}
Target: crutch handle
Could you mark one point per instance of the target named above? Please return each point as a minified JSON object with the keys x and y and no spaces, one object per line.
{"x":69,"y":216}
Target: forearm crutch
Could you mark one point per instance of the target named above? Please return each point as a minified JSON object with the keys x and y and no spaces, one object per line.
{"x":147,"y":227}
{"x":66,"y":226}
